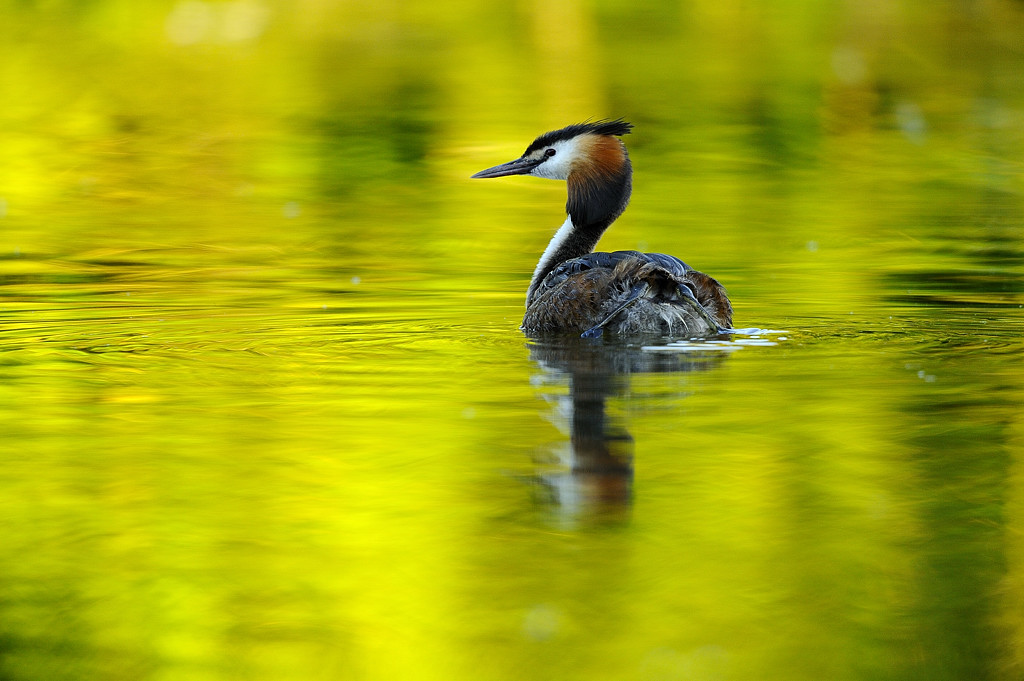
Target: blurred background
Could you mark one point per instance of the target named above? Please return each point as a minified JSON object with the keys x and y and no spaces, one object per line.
{"x":265,"y":412}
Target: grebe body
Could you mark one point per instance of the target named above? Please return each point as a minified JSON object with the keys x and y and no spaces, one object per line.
{"x":574,"y":290}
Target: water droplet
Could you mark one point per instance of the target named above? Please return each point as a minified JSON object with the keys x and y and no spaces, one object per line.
{"x":911,"y":122}
{"x":189,"y":22}
{"x":541,"y":623}
{"x":243,"y":20}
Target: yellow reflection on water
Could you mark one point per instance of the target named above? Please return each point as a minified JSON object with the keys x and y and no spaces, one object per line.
{"x":265,"y":411}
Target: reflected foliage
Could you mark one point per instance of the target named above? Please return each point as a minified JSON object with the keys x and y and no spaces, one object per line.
{"x":265,"y":412}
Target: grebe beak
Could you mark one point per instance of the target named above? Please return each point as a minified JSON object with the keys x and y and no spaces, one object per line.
{"x":520,"y":166}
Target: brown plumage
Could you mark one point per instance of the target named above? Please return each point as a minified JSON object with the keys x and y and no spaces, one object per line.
{"x":627,"y":293}
{"x":633,"y":297}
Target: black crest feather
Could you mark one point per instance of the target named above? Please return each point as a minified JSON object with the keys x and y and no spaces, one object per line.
{"x":602,"y":127}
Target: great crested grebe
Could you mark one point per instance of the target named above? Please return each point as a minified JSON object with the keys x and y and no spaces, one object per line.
{"x":575,"y":290}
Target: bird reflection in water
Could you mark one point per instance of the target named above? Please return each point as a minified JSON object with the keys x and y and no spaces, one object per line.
{"x":594,"y":470}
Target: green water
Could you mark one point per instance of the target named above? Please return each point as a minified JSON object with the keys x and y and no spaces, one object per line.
{"x":265,"y":412}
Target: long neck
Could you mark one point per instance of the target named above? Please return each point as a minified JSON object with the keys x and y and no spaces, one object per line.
{"x":595,"y":200}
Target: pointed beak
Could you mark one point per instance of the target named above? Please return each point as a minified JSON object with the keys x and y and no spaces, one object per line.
{"x":520,"y":166}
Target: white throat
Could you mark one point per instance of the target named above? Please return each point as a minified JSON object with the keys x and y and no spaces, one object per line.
{"x":549,"y":253}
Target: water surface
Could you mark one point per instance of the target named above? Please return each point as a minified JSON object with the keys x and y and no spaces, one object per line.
{"x":266,"y":413}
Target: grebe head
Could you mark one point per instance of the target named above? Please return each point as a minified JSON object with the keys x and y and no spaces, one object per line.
{"x":594,"y":161}
{"x":580,"y":149}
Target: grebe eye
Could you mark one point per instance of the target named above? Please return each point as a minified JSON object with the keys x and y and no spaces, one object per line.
{"x":549,"y":152}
